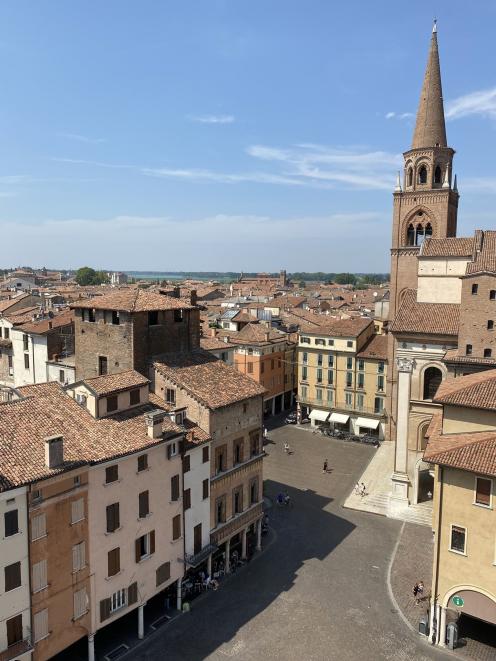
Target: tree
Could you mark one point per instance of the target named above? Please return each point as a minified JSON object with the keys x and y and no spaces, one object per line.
{"x":345,"y":279}
{"x":302,"y":284}
{"x":88,"y":276}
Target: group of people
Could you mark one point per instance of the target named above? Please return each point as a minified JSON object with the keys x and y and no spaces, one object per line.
{"x":360,"y":489}
{"x":418,"y":591}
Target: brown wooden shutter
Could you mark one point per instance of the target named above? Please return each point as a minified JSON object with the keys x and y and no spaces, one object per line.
{"x":175,"y":487}
{"x":163,"y":573}
{"x":132,"y":593}
{"x":152,"y":541}
{"x":186,"y":463}
{"x":176,"y":527}
{"x":187,"y":499}
{"x":205,"y":454}
{"x":169,"y":451}
{"x":143,"y":501}
{"x":137,"y":549}
{"x":105,"y":605}
{"x":205,"y":489}
{"x":14,"y":630}
{"x":12,"y":576}
{"x":114,"y":561}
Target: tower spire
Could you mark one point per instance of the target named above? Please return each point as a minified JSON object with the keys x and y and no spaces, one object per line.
{"x":430,"y":129}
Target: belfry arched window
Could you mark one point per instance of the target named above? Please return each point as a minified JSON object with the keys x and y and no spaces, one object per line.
{"x":410,"y":235}
{"x":409,"y":178}
{"x":428,"y":230}
{"x":438,"y":175}
{"x":432,"y":380}
{"x":419,"y":235}
{"x":422,"y":175}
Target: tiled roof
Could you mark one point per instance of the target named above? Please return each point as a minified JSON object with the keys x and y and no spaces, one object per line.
{"x":47,"y":410}
{"x":485,"y":260}
{"x":453,"y":356}
{"x":214,"y":344}
{"x":48,"y":324}
{"x":338,"y":327}
{"x":376,"y":347}
{"x":110,"y":383}
{"x":21,"y":315}
{"x":426,"y":318}
{"x":476,"y":390}
{"x":10,"y":302}
{"x":133,"y":300}
{"x":448,"y":247}
{"x":258,"y":334}
{"x":208,"y":379}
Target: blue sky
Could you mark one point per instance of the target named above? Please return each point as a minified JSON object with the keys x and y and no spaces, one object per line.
{"x":229,"y":134}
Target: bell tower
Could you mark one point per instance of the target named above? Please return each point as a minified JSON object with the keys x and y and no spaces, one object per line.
{"x":425,"y":198}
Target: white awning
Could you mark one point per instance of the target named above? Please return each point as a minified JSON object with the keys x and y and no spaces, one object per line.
{"x":342,"y":418}
{"x":368,"y":424}
{"x":319,"y":415}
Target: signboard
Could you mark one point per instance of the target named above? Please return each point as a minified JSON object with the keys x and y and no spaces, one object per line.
{"x":458,"y":601}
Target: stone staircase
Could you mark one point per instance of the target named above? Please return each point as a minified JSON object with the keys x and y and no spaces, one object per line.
{"x":378,"y":503}
{"x":420,"y":514}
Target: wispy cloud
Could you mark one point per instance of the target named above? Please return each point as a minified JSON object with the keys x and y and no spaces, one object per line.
{"x":98,"y":164}
{"x":482,"y":102}
{"x":82,"y":138}
{"x":222,"y":177}
{"x":399,"y":115}
{"x":479,"y":185}
{"x":212,"y":119}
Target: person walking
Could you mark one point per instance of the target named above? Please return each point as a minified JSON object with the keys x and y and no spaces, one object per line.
{"x":415,"y":592}
{"x":324,"y":470}
{"x":286,"y":447}
{"x":420,"y":591}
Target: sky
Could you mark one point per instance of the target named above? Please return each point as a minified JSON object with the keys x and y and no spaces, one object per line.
{"x":229,"y":134}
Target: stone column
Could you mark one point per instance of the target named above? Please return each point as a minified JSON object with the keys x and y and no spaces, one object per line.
{"x":91,"y":647}
{"x":400,"y":481}
{"x":209,"y":565}
{"x":259,"y":535}
{"x":227,"y":567}
{"x":442,"y":628}
{"x":141,"y":622}
{"x":179,"y":598}
{"x":273,"y":405}
{"x":243,"y":544}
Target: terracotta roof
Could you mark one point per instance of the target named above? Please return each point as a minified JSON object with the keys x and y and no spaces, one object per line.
{"x":426,"y":318}
{"x":22,"y":315}
{"x":214,"y":344}
{"x":133,"y":300}
{"x":48,"y":324}
{"x":376,"y":347}
{"x":208,"y":379}
{"x":476,"y":390}
{"x":338,"y":327}
{"x":110,"y":383}
{"x":448,"y":247}
{"x":10,"y":302}
{"x":485,"y":260}
{"x":258,"y":334}
{"x":453,"y":356}
{"x":47,"y":410}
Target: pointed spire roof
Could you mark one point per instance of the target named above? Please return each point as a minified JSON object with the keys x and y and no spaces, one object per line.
{"x":430,"y":129}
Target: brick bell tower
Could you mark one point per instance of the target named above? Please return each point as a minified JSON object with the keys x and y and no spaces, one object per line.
{"x":425,"y":204}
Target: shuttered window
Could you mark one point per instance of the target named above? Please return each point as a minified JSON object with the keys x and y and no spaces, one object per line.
{"x":186,"y":463}
{"x":111,"y":474}
{"x":105,"y":609}
{"x":14,"y":630}
{"x":77,"y":510}
{"x":483,"y":491}
{"x":79,"y":556}
{"x":163,"y":573}
{"x":38,"y":527}
{"x":11,"y":523}
{"x":187,"y":499}
{"x":175,"y":487}
{"x":142,"y":462}
{"x":40,"y":625}
{"x":40,"y":580}
{"x":132,"y":594}
{"x":205,"y":453}
{"x":113,"y":517}
{"x":205,"y":488}
{"x":144,"y":504}
{"x":12,"y":576}
{"x":176,"y":527}
{"x":80,"y":603}
{"x":114,"y":562}
{"x":145,"y":546}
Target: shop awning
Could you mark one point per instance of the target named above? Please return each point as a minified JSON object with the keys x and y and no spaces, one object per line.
{"x":319,"y":415}
{"x":342,"y":418}
{"x":368,"y":424}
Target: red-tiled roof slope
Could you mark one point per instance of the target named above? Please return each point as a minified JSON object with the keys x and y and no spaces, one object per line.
{"x":448,"y":247}
{"x":485,"y":260}
{"x":110,"y":383}
{"x":339,"y":327}
{"x":133,"y":300}
{"x":426,"y":318}
{"x":376,"y":347}
{"x":48,"y":324}
{"x":476,"y":390}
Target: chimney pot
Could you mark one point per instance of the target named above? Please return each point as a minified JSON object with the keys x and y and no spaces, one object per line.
{"x":154,"y":421}
{"x":54,"y":451}
{"x":212,"y":332}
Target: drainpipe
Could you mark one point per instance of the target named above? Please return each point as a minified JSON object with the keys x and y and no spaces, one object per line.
{"x":435,"y":607}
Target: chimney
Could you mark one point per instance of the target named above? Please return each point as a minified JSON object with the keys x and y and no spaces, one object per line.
{"x":50,"y":324}
{"x":193,"y":297}
{"x":54,"y":451}
{"x":266,"y":337}
{"x":213,"y":332}
{"x":154,"y":421}
{"x":226,"y":339}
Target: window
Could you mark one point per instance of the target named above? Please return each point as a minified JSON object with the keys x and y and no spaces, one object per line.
{"x":305,"y":340}
{"x":319,"y":341}
{"x":487,"y":353}
{"x":468,"y":349}
{"x":361,"y":364}
{"x":25,"y":342}
{"x":40,"y":625}
{"x":361,"y":380}
{"x":178,"y":315}
{"x":176,"y":527}
{"x":112,"y":404}
{"x":458,"y":539}
{"x":254,"y":443}
{"x":11,"y":523}
{"x":348,"y":399}
{"x":61,"y":376}
{"x":330,"y":396}
{"x":77,"y":510}
{"x":205,"y":454}
{"x":143,"y":504}
{"x":483,"y":488}
{"x":319,"y":359}
{"x":76,"y":480}
{"x":330,"y":377}
{"x":6,"y":333}
{"x":114,"y":562}
{"x":38,"y":527}
{"x":12,"y":576}
{"x":111,"y":474}
{"x":186,"y":463}
{"x":142,"y":462}
{"x":36,"y":496}
{"x":272,"y":364}
{"x":79,"y":556}
{"x":205,"y":488}
{"x":410,"y":235}
{"x":14,"y":630}
{"x":91,"y":315}
{"x":40,"y":580}
{"x":330,"y":360}
{"x":250,"y":367}
{"x":134,"y":397}
{"x":171,"y":450}
{"x":238,"y":451}
{"x":170,"y":396}
{"x":349,"y":363}
{"x":303,"y":392}
{"x":490,"y":324}
{"x":162,"y":573}
{"x":319,"y":375}
{"x":380,"y":383}
{"x":187,"y":499}
{"x":238,"y":500}
{"x":422,"y":175}
{"x":175,"y":487}
{"x":26,"y":361}
{"x":360,"y":402}
{"x":432,"y":380}
{"x":349,"y":379}
{"x":380,"y":367}
{"x":113,"y":517}
{"x":80,"y":603}
{"x":349,"y":344}
{"x":475,"y":288}
{"x":253,"y":492}
{"x":102,"y":365}
{"x":437,"y":175}
{"x":318,"y":394}
{"x":220,"y":510}
{"x":304,"y":373}
{"x":118,"y":600}
{"x":331,"y":343}
{"x":305,"y":357}
{"x":250,"y":351}
{"x":153,"y":318}
{"x":145,"y":546}
{"x":378,"y":405}
{"x":492,"y":296}
{"x":410,"y":177}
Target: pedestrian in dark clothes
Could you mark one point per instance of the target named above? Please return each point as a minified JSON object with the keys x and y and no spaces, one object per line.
{"x":324,"y":470}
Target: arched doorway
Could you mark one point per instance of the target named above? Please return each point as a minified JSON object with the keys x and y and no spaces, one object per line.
{"x":432,"y":380}
{"x":475,"y":610}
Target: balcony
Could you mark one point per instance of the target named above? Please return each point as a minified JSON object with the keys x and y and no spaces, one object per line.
{"x":197,"y":558}
{"x":15,"y":650}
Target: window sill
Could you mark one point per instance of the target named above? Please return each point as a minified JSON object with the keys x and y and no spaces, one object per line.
{"x":462,"y":553}
{"x":174,"y":502}
{"x":109,"y":578}
{"x":41,"y":537}
{"x":76,"y":571}
{"x":175,"y":541}
{"x":144,"y":558}
{"x":38,"y":640}
{"x":73,"y":523}
{"x":75,"y":619}
{"x":45,"y":587}
{"x":111,"y":532}
{"x":108,"y":484}
{"x":19,"y":532}
{"x":143,"y":518}
{"x":484,"y":507}
{"x":143,"y":470}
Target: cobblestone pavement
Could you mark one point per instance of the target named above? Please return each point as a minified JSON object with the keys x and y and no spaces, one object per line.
{"x":318,"y":591}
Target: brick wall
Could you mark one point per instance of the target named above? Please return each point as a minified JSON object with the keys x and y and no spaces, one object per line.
{"x":475,"y":311}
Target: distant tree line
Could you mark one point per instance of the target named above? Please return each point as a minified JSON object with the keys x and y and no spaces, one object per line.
{"x":358,"y":280}
{"x":88,"y":276}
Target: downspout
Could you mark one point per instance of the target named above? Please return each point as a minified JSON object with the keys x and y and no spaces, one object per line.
{"x":435,"y":609}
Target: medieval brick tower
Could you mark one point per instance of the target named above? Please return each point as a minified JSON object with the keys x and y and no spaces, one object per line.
{"x":425,"y":204}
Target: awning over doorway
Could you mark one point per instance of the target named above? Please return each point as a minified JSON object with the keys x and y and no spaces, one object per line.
{"x":319,"y":415}
{"x":368,"y":424}
{"x":342,"y":418}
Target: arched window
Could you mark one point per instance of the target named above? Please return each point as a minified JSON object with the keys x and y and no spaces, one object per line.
{"x":419,"y":235}
{"x":432,"y":380}
{"x":428,"y":230}
{"x":422,"y":175}
{"x":437,"y":175}
{"x":409,"y":178}
{"x":410,"y":235}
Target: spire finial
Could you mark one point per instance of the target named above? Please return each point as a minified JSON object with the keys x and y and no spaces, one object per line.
{"x":434,"y":26}
{"x":446,"y":178}
{"x":455,"y":185}
{"x":397,"y":188}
